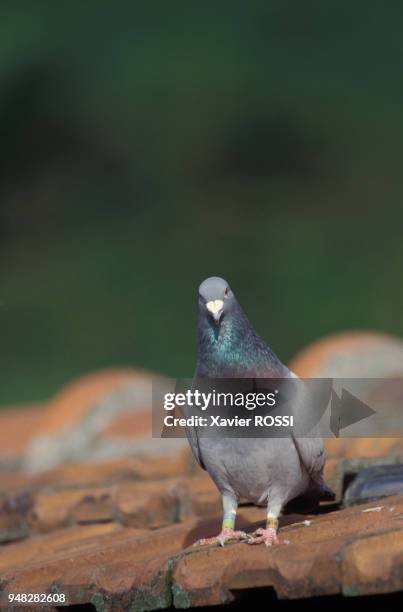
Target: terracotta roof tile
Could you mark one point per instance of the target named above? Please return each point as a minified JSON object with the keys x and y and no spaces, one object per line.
{"x":16,"y":429}
{"x":348,"y":355}
{"x":97,"y":417}
{"x":151,"y":503}
{"x":316,"y":560}
{"x":77,"y":399}
{"x":351,"y":354}
{"x":122,"y":568}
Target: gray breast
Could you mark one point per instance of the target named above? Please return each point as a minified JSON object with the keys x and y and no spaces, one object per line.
{"x":250,"y":467}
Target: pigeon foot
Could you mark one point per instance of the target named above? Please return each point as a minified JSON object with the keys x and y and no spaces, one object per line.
{"x":225,"y":536}
{"x":266,"y":536}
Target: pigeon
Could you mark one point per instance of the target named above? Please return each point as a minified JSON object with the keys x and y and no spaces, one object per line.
{"x":265,"y":471}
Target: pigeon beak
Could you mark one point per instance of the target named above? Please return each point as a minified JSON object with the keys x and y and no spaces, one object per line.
{"x":215,"y":308}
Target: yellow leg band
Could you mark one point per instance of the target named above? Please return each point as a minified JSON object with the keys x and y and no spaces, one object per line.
{"x":271,"y":522}
{"x":229,"y":520}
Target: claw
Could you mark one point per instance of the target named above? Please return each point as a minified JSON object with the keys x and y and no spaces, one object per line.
{"x":266,"y":536}
{"x":225,"y":536}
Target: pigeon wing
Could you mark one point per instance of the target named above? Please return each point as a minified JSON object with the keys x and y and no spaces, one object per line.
{"x":192,"y":436}
{"x":311,"y":452}
{"x":310,"y":449}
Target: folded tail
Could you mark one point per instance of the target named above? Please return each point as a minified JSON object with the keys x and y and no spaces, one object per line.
{"x":326,"y":493}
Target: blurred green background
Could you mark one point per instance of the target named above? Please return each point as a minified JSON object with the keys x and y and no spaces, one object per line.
{"x":145,"y":146}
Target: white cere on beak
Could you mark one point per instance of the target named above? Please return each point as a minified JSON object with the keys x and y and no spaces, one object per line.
{"x":215,"y":307}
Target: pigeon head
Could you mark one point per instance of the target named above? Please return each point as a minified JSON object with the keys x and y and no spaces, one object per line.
{"x":229,"y":347}
{"x":216,"y":297}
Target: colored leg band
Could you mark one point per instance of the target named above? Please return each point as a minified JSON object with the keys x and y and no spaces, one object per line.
{"x":228,"y":520}
{"x":271,"y":522}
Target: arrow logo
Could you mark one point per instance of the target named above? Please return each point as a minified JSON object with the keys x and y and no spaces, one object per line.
{"x":346,"y":411}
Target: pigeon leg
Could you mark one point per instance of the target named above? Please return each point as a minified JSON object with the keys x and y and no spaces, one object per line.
{"x":268,"y":536}
{"x":227,"y":533}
